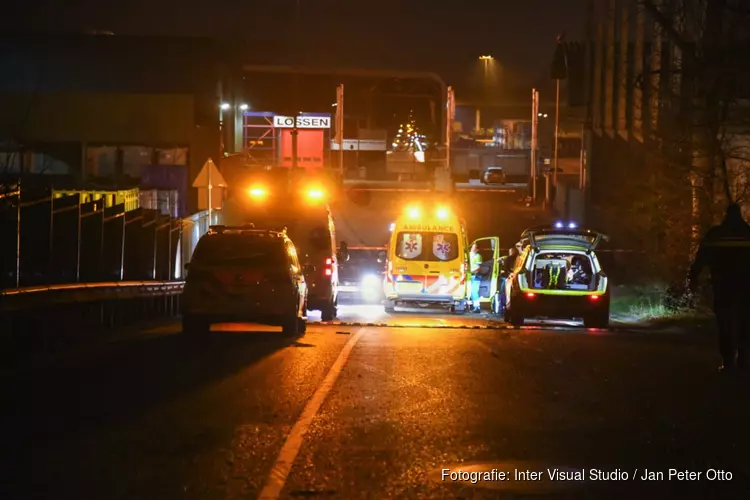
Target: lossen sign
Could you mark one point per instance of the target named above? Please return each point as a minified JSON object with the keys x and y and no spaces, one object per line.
{"x":302,"y":122}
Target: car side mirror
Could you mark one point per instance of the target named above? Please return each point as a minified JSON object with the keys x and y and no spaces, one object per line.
{"x":381,"y":257}
{"x":343,"y":253}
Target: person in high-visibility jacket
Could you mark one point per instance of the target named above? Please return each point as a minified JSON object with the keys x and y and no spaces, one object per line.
{"x":475,"y":261}
{"x":726,"y":251}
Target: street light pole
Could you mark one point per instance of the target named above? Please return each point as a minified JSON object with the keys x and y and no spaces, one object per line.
{"x":557,"y":133}
{"x":534,"y":125}
{"x":340,"y":126}
{"x":450,"y":105}
{"x":295,"y":130}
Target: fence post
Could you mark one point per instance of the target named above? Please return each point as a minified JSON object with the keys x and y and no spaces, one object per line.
{"x":169,"y":249}
{"x":102,"y":260}
{"x":18,"y":236}
{"x":51,"y":257}
{"x":122,"y":244}
{"x":78,"y":248}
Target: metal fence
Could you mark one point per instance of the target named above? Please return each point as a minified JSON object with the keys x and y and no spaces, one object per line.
{"x":48,"y":240}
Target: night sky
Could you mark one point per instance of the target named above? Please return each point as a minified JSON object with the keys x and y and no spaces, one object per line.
{"x":446,"y":37}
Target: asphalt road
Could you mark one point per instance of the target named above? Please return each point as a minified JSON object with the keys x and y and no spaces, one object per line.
{"x":374,"y":412}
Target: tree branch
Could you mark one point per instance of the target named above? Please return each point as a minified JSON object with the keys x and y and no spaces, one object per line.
{"x":665,"y":23}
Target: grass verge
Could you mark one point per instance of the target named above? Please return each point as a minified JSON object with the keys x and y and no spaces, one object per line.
{"x":647,"y":304}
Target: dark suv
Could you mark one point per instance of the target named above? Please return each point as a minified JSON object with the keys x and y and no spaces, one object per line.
{"x":243,"y":274}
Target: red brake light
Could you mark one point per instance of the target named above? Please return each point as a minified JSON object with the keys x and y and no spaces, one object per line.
{"x":531,"y":295}
{"x":594,"y":297}
{"x":329,"y":271}
{"x":329,"y":261}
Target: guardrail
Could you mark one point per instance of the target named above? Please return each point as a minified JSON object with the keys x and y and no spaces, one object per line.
{"x":36,"y":310}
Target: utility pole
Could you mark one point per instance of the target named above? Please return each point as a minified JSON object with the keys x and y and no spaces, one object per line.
{"x":559,"y":72}
{"x":340,"y":126}
{"x":209,"y":189}
{"x":450,"y":110}
{"x":557,"y":133}
{"x":295,"y":130}
{"x":534,"y":126}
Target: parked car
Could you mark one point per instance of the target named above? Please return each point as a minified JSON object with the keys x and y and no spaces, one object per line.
{"x":557,"y":275}
{"x":494,"y":175}
{"x":243,"y":274}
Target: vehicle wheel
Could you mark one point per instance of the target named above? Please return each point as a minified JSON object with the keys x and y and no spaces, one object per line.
{"x":517,"y":320}
{"x":194,"y":327}
{"x":301,"y":326}
{"x":328,"y":313}
{"x":597,"y":319}
{"x":290,"y":326}
{"x":514,"y":319}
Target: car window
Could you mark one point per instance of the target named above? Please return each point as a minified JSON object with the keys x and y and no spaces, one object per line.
{"x":562,"y":270}
{"x":433,"y":247}
{"x":240,"y":250}
{"x":409,"y":246}
{"x":310,"y":237}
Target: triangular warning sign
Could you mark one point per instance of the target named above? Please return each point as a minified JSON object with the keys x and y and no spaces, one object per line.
{"x":217,"y":180}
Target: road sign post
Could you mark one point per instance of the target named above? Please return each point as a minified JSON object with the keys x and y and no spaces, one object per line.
{"x":208,"y":179}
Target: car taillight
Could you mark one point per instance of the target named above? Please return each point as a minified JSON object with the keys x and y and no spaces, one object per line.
{"x":462,"y":276}
{"x":594,"y":297}
{"x":329,"y":267}
{"x":531,"y":295}
{"x":389,"y":274}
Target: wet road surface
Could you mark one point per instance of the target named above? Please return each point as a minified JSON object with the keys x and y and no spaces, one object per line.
{"x":374,"y":412}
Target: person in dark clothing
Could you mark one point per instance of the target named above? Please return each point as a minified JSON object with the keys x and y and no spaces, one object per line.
{"x":508,"y":263}
{"x":725,"y":250}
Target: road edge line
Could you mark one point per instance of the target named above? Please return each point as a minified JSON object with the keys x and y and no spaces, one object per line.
{"x":293,"y":443}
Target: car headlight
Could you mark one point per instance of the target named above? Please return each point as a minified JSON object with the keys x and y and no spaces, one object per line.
{"x":370,"y":280}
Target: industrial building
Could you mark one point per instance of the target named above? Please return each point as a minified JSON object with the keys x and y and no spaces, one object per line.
{"x":104,"y":108}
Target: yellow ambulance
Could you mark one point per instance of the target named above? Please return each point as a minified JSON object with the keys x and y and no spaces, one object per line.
{"x":427,"y":260}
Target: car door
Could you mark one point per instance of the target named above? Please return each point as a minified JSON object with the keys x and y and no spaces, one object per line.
{"x":298,"y":276}
{"x":511,"y":283}
{"x":489,"y":249}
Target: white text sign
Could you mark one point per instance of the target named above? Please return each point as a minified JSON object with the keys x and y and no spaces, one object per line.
{"x":302,"y":122}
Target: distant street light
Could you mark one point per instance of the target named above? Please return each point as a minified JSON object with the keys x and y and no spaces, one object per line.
{"x":225,"y":106}
{"x":244,"y":107}
{"x":487,"y":61}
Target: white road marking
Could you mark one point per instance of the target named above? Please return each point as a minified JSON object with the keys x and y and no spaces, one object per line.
{"x":288,"y":454}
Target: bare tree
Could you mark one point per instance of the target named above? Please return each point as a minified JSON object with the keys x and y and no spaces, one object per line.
{"x":705,"y":87}
{"x":677,"y":95}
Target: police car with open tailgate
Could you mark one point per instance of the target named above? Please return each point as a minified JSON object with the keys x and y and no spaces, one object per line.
{"x":557,"y":275}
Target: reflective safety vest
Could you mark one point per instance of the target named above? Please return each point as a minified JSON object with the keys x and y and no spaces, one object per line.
{"x":474,"y":260}
{"x":554,"y":275}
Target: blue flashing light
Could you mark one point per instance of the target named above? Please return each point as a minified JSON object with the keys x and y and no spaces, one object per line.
{"x":572,"y":225}
{"x":558,"y":225}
